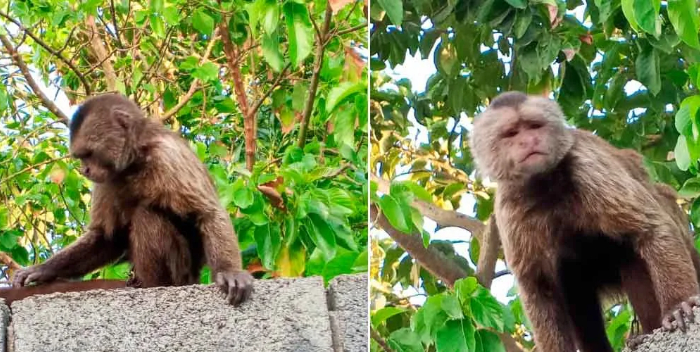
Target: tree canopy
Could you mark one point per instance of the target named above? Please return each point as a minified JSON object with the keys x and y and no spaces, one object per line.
{"x":628,"y":70}
{"x":271,"y":95}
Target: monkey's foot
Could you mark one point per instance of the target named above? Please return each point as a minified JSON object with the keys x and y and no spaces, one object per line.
{"x":684,"y":309}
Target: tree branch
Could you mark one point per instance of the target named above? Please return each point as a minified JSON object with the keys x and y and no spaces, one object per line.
{"x":433,"y":261}
{"x":439,"y":215}
{"x":313,"y":87}
{"x":48,"y":48}
{"x":102,"y":55}
{"x":193,"y":87}
{"x":17,"y":59}
{"x":488,"y":254}
{"x":380,"y":341}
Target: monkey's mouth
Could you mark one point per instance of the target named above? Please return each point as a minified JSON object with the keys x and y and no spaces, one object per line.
{"x":531,"y":154}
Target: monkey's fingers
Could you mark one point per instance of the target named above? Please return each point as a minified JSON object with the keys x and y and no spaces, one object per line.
{"x":667,"y":324}
{"x":18,"y":280}
{"x":687,"y":309}
{"x":679,"y":319}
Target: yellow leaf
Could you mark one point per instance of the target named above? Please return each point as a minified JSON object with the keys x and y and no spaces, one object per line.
{"x":291,"y":261}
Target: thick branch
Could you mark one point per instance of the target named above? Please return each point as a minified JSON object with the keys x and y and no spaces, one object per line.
{"x":102,"y":55}
{"x":53,"y":52}
{"x":313,"y":87}
{"x":435,"y":262}
{"x":439,"y":215}
{"x":7,"y":260}
{"x":488,"y":254}
{"x":17,"y":59}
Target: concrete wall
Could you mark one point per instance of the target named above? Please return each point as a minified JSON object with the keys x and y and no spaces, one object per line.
{"x":282,"y":315}
{"x":661,"y":341}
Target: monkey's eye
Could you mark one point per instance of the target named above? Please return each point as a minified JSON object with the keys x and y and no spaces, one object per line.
{"x":534,"y":125}
{"x":83,"y":155}
{"x":509,"y":133}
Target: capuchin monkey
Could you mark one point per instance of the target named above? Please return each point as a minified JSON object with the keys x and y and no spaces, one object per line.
{"x":580,"y":218}
{"x":153,"y":203}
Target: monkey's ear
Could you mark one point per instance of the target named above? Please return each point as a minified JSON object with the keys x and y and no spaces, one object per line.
{"x":121,"y":117}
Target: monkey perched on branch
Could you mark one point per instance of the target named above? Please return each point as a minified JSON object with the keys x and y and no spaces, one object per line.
{"x":580,"y":218}
{"x":153,"y":203}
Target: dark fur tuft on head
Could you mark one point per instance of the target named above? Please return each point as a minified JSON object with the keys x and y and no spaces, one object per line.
{"x":103,"y":105}
{"x":508,"y":99}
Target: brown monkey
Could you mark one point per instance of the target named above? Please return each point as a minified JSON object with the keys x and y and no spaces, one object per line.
{"x":11,"y":294}
{"x":577,"y":220}
{"x":153,"y":201}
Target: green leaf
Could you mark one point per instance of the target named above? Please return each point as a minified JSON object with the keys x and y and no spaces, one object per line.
{"x":450,"y":304}
{"x":405,"y":340}
{"x":268,"y":239}
{"x":344,"y":127}
{"x":691,"y":188}
{"x":646,"y":12}
{"x":340,"y":264}
{"x":647,"y":68}
{"x":684,"y":18}
{"x":158,"y":26}
{"x":322,"y":235}
{"x":486,"y":310}
{"x":202,"y":22}
{"x":456,"y":336}
{"x":487,"y":341}
{"x":392,"y":210}
{"x":433,"y":315}
{"x":522,"y":21}
{"x":682,"y":154}
{"x":393,"y":9}
{"x":301,"y":33}
{"x":628,"y":11}
{"x":171,"y":14}
{"x":385,"y":313}
{"x":156,"y":6}
{"x":243,"y":197}
{"x":271,"y":51}
{"x":207,"y":73}
{"x":518,"y":4}
{"x":270,"y":16}
{"x":341,"y":92}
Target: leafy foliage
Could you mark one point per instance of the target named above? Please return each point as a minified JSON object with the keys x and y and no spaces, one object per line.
{"x":627,"y":70}
{"x":206,"y":69}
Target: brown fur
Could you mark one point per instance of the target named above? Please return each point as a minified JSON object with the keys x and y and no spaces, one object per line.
{"x":153,"y":200}
{"x":578,"y":218}
{"x":11,"y":294}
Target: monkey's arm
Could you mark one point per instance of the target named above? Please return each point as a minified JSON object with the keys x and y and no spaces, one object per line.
{"x":89,"y":252}
{"x":547,"y":314}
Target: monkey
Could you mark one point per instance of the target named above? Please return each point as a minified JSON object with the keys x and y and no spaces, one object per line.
{"x":580,"y":221}
{"x":11,"y":294}
{"x":153,"y":203}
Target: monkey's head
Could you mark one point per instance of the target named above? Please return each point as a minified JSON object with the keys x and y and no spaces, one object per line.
{"x":101,"y":136}
{"x":519,"y":136}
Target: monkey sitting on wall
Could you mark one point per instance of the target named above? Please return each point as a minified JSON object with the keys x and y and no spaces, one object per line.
{"x":578,"y":219}
{"x":153,"y":202}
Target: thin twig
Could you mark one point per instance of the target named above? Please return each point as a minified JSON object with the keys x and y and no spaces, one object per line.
{"x":318,"y":61}
{"x":17,"y":58}
{"x":48,"y":48}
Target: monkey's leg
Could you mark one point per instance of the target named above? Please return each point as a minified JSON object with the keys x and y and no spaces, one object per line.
{"x":671,"y":270}
{"x":159,"y":258}
{"x":637,"y":284}
{"x":545,"y":309}
{"x":583,"y":306}
{"x":91,"y":251}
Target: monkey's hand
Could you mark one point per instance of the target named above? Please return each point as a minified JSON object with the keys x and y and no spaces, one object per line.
{"x":684,"y":309}
{"x":38,"y":274}
{"x":237,"y":285}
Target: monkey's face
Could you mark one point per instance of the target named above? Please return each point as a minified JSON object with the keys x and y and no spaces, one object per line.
{"x":517,"y":142}
{"x":100,"y":149}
